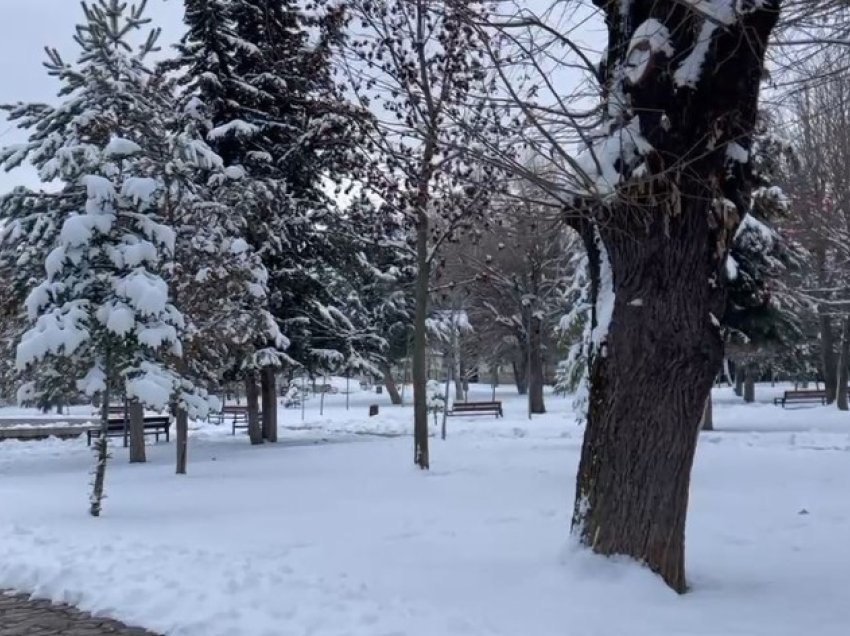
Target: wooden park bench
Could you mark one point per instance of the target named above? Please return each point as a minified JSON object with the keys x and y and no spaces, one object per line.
{"x":476,"y":408}
{"x":238,"y":416}
{"x":801,"y":396}
{"x":119,"y":426}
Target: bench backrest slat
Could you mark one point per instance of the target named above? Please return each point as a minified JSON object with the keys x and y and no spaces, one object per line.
{"x":478,"y":403}
{"x":472,"y":407}
{"x":793,"y":394}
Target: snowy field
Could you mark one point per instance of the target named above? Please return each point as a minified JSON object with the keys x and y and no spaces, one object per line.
{"x":334,"y":533}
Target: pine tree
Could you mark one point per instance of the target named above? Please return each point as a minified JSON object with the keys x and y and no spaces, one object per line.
{"x":101,"y":317}
{"x":764,"y":311}
{"x":272,"y":111}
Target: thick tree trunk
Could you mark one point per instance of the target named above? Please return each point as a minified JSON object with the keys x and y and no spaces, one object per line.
{"x":708,"y":415}
{"x":535,"y":371}
{"x":252,"y":397}
{"x":649,"y":385}
{"x":389,"y":383}
{"x":843,"y":361}
{"x":829,"y":361}
{"x":520,"y":368}
{"x":268,"y":388}
{"x":420,"y":378}
{"x":749,"y":384}
{"x":181,"y":418}
{"x":137,"y":432}
{"x":664,"y":236}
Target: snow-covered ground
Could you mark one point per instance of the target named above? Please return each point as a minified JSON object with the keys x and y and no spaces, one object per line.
{"x":333,"y":532}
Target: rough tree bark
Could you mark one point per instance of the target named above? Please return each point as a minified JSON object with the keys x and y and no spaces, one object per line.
{"x":252,"y":397}
{"x":841,"y":373}
{"x":664,"y":241}
{"x":749,"y":373}
{"x":535,"y":370}
{"x":389,"y":383}
{"x":181,"y":418}
{"x":137,"y":432}
{"x":268,"y":389}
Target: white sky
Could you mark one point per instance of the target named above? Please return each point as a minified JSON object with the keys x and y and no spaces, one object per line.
{"x":26,"y":27}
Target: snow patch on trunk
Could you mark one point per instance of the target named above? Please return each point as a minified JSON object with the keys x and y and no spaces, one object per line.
{"x":604,"y":301}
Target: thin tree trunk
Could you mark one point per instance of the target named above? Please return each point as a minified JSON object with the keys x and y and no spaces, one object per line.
{"x":843,"y":361}
{"x":137,"y":432}
{"x":456,"y":368}
{"x":740,"y":373}
{"x":181,"y":418}
{"x":726,"y":372}
{"x":389,"y":383}
{"x":102,"y":446}
{"x":535,"y":371}
{"x":449,"y":373}
{"x":460,"y":394}
{"x":520,"y":374}
{"x":252,"y":396}
{"x":749,"y":384}
{"x":420,"y":379}
{"x":405,"y":380}
{"x":708,"y":415}
{"x":268,"y":382}
{"x":829,"y":362}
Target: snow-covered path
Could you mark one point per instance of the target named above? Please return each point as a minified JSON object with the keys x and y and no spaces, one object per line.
{"x":347,"y":538}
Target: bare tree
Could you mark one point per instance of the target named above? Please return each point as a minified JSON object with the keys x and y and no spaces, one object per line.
{"x":417,"y":65}
{"x":820,"y":189}
{"x":516,"y":274}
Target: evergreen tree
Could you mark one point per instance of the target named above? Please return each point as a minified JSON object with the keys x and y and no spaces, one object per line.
{"x":765,"y":311}
{"x":260,"y":73}
{"x":101,"y":320}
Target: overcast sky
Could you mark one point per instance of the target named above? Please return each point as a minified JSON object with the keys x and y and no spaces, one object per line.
{"x":26,"y":27}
